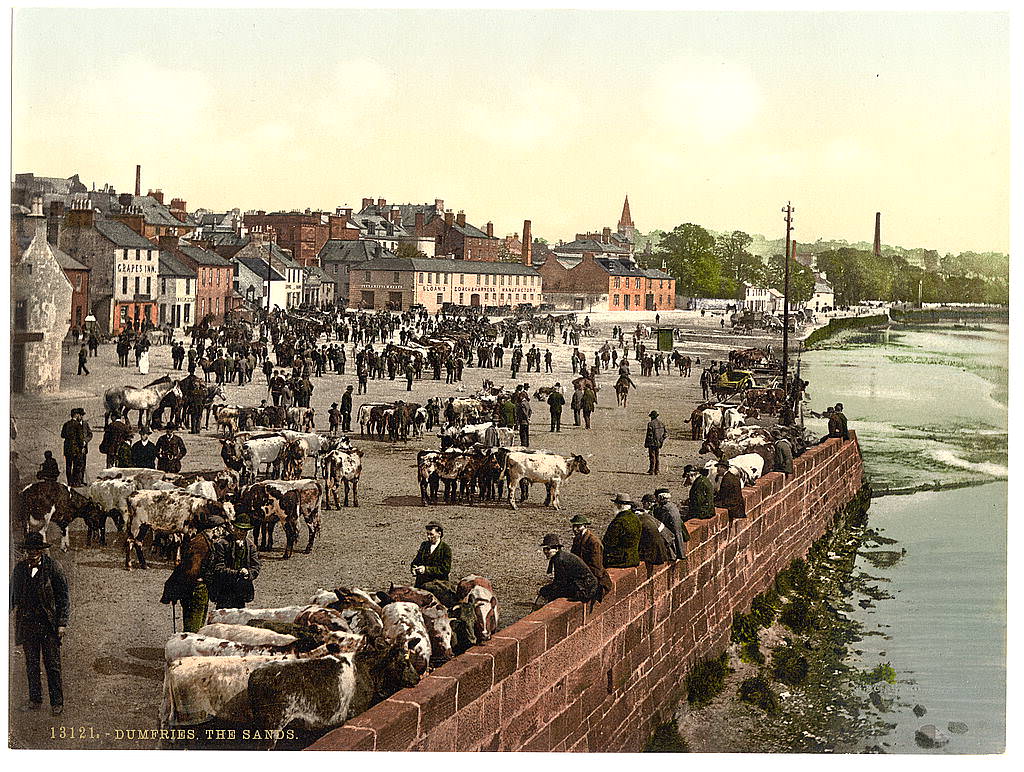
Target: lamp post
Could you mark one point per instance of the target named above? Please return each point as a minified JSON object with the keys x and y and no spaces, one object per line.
{"x":788,"y":210}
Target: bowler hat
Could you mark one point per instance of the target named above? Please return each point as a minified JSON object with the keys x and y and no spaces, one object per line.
{"x":211,"y":521}
{"x":243,"y":522}
{"x":580,"y":520}
{"x":622,"y":498}
{"x":551,"y":540}
{"x":77,"y":411}
{"x":653,"y":414}
{"x":663,"y":490}
{"x":722,"y":463}
{"x":34,"y":541}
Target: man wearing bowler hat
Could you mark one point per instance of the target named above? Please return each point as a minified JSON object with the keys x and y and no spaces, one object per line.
{"x":622,"y":538}
{"x":730,"y":490}
{"x":235,"y":565}
{"x":587,"y":547}
{"x":433,"y":561}
{"x":701,"y":504}
{"x":668,"y":514}
{"x":655,"y":438}
{"x":76,"y":435}
{"x":573,"y":579}
{"x":41,"y":605}
{"x":170,"y":449}
{"x":189,"y":581}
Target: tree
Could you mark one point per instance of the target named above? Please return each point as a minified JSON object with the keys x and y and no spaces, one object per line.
{"x":801,"y":279}
{"x":407,"y":249}
{"x":738,"y":263}
{"x":689,"y":253}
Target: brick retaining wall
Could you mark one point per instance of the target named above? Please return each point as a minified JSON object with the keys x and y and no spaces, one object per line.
{"x":566,"y":678}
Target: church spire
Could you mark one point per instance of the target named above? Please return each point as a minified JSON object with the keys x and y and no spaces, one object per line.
{"x":625,"y":221}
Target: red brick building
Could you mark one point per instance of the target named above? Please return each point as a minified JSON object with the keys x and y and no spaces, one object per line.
{"x":304,"y":233}
{"x":215,"y":287}
{"x":78,"y":275}
{"x":453,"y":236}
{"x":589,"y":282}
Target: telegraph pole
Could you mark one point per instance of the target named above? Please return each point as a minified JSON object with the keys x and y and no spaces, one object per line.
{"x":788,"y":211}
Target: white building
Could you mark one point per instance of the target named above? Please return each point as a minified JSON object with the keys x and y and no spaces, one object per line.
{"x":763,"y":299}
{"x":177,"y":293}
{"x":824,"y":298}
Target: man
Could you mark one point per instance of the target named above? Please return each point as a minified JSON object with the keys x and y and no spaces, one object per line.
{"x":576,"y":404}
{"x":41,"y":605}
{"x":587,"y":547}
{"x":702,"y":493}
{"x":653,"y":548}
{"x":346,"y":410}
{"x":523,"y":411}
{"x":730,"y":491}
{"x":587,"y":403}
{"x":77,"y":435}
{"x":334,"y":419}
{"x":189,"y":581}
{"x":170,"y":449}
{"x":555,"y":403}
{"x":433,"y":560}
{"x":144,"y":451}
{"x":842,"y":425}
{"x":654,"y":439}
{"x":409,"y":372}
{"x":234,"y":566}
{"x":548,"y":361}
{"x":622,"y":538}
{"x":48,"y":470}
{"x":783,"y":461}
{"x":668,"y":514}
{"x":83,"y":356}
{"x":115,"y":433}
{"x":572,"y":578}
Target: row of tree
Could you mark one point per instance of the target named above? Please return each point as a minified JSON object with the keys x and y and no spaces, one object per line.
{"x":717,"y":266}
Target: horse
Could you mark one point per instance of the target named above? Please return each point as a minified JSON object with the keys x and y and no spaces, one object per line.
{"x":121,"y":400}
{"x":622,"y":389}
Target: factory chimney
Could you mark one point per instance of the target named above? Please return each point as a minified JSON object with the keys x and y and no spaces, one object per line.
{"x":527,"y":242}
{"x":138,"y":179}
{"x":878,"y":233}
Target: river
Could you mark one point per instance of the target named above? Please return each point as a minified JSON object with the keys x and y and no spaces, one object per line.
{"x":929,"y":405}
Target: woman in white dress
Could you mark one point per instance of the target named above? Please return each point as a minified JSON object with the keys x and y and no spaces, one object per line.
{"x":144,"y":363}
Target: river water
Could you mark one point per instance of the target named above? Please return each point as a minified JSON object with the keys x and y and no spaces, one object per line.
{"x":929,"y":405}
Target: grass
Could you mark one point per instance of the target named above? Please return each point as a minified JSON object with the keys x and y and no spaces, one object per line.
{"x":706,"y":681}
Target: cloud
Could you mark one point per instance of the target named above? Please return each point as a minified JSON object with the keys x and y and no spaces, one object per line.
{"x":517,"y":122}
{"x":703,"y":97}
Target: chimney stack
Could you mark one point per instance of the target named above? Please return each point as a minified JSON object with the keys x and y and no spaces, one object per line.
{"x":527,"y":242}
{"x":606,"y":236}
{"x":396,"y":215}
{"x":138,"y":179}
{"x":490,"y":230}
{"x":367,"y":202}
{"x":169,"y":243}
{"x":449,"y":218}
{"x":420,"y":218}
{"x":460,"y":218}
{"x":439,"y":205}
{"x":878,"y":233}
{"x":381,"y":202}
{"x":157,"y":194}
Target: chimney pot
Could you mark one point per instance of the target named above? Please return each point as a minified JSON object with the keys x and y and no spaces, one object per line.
{"x":460,"y":218}
{"x":138,"y":179}
{"x":381,"y":202}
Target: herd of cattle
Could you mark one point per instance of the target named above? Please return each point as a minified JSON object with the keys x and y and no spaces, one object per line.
{"x":321,"y":663}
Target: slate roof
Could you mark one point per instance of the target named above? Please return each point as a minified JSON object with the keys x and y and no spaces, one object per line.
{"x":156,"y":213}
{"x":447,"y":266}
{"x":408,"y":211}
{"x":222,"y":238}
{"x":472,"y":231}
{"x":380,"y":223}
{"x":342,"y":251}
{"x":319,"y":273}
{"x":172,"y":265}
{"x":259,"y":267}
{"x":66,"y":261}
{"x":590,"y":245}
{"x":202,"y":256}
{"x":121,"y":235}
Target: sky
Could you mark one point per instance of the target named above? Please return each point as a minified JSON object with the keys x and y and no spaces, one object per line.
{"x":714,"y":118}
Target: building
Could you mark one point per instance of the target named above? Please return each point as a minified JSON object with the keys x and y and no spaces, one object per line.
{"x":317,"y":287}
{"x":597,"y":282}
{"x":41,"y":308}
{"x":824,"y":298}
{"x":626,"y":228}
{"x":255,"y":280}
{"x":262,"y":249}
{"x":767,"y":300}
{"x":177,"y":293}
{"x":215,"y":288}
{"x":398,"y":283}
{"x":452,"y":235}
{"x":116,"y":255}
{"x":303,"y":234}
{"x":338,"y":258}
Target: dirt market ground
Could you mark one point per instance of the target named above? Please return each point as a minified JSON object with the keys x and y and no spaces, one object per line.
{"x":113,"y":651}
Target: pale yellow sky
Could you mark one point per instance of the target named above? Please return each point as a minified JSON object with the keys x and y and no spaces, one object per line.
{"x":713,"y":118}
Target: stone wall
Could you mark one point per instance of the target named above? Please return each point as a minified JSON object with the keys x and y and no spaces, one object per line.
{"x":568,"y":678}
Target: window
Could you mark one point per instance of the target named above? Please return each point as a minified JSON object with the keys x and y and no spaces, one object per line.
{"x":187,"y":310}
{"x":397,"y":279}
{"x":124,"y":285}
{"x":503,"y":283}
{"x":440,"y":298}
{"x":462,"y":278}
{"x":421,"y":278}
{"x":138,"y":254}
{"x":462,"y":299}
{"x":616,"y":281}
{"x":366,"y":276}
{"x":163,"y":314}
{"x":149,"y":255}
{"x":478,"y":280}
{"x":615,"y":300}
{"x":430,"y":278}
{"x":163,"y":289}
{"x":138,"y":283}
{"x":517,"y":280}
{"x":636,"y":299}
{"x":21,"y":315}
{"x":149,"y":285}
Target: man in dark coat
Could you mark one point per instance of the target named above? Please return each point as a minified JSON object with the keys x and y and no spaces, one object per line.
{"x":702,"y":494}
{"x":555,"y":403}
{"x":433,"y":561}
{"x":654,"y":537}
{"x":730,"y":491}
{"x":346,"y":410}
{"x":577,"y":404}
{"x":783,"y":461}
{"x":115,"y":433}
{"x":587,"y":403}
{"x":622,"y":538}
{"x":144,"y":451}
{"x":653,"y":440}
{"x":189,"y":581}
{"x":668,"y":514}
{"x":523,"y":411}
{"x":234,"y":566}
{"x":841,"y":423}
{"x":572,"y":578}
{"x":41,"y":604}
{"x":334,"y":419}
{"x":77,"y":435}
{"x":83,"y":356}
{"x":587,"y":547}
{"x":170,"y":449}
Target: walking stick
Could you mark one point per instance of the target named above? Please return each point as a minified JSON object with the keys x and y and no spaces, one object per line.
{"x":174,"y":616}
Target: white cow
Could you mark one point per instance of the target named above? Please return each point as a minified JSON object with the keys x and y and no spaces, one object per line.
{"x":543,"y":467}
{"x":254,"y":636}
{"x":169,"y":512}
{"x":749,"y":467}
{"x":242,"y":616}
{"x":403,"y":625}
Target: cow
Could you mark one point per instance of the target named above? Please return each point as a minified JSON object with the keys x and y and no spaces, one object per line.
{"x":321,"y":693}
{"x":111,"y":496}
{"x":342,"y":467}
{"x":747,"y":467}
{"x":168,"y":512}
{"x":435,"y":618}
{"x":456,"y":469}
{"x":403,"y":626}
{"x":245,"y":634}
{"x":361,"y":612}
{"x":543,"y":467}
{"x":301,"y":418}
{"x":363,"y":416}
{"x":200,"y":645}
{"x":739,"y":441}
{"x":242,"y":616}
{"x":313,"y":445}
{"x":477,"y":592}
{"x":48,"y":501}
{"x":322,"y":619}
{"x":229,"y":418}
{"x":225,"y":481}
{"x":299,"y":499}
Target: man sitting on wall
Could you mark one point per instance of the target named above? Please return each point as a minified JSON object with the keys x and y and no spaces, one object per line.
{"x":573,"y":579}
